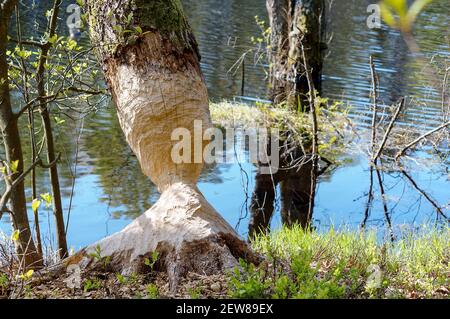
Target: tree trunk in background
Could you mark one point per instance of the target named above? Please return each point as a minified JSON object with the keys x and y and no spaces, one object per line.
{"x":13,"y":152}
{"x":279,"y":46}
{"x":157,"y":85}
{"x":295,"y":23}
{"x":50,"y":143}
{"x":296,"y":26}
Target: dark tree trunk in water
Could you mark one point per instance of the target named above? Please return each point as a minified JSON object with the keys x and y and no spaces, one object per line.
{"x":279,"y":14}
{"x":295,"y":23}
{"x":13,"y":151}
{"x":157,"y":85}
{"x":296,"y":26}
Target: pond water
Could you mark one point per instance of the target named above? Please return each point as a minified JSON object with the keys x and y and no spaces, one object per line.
{"x":109,"y":190}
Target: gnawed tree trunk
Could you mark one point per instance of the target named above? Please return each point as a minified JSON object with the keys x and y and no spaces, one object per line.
{"x":157,"y":85}
{"x":13,"y":151}
{"x":295,"y":23}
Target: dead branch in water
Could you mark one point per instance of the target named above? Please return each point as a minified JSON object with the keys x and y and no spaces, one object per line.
{"x":420,"y":138}
{"x":389,"y":130}
{"x":374,"y":104}
{"x":315,"y":144}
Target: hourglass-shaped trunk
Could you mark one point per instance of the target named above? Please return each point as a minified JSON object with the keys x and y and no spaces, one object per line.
{"x":151,"y":63}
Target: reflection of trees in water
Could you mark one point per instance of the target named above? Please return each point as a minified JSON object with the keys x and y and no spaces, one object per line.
{"x":126,"y":189}
{"x":212,"y":173}
{"x":65,"y":143}
{"x":294,"y":178}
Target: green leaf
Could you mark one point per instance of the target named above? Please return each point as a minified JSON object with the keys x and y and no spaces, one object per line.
{"x":15,"y":235}
{"x":415,"y":9}
{"x":59,"y":121}
{"x":388,"y":16}
{"x":27,"y":275}
{"x":35,"y":204}
{"x":53,"y":39}
{"x":406,"y":17}
{"x":14,"y":166}
{"x":48,"y":199}
{"x":24,"y":54}
{"x":138,"y":29}
{"x":118,"y":29}
{"x":130,"y":18}
{"x":71,"y":45}
{"x":399,"y":6}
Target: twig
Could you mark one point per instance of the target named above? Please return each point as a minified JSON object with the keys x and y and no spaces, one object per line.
{"x":385,"y":207}
{"x":10,"y":186}
{"x":31,"y":131}
{"x":374,"y":104}
{"x":389,"y":129}
{"x":417,"y":140}
{"x":370,"y":195}
{"x":315,"y":146}
{"x":28,"y":42}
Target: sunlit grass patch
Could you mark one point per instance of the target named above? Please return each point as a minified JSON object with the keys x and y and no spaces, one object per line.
{"x":347,"y":264}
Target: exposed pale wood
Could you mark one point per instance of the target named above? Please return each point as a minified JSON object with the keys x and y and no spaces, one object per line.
{"x":157,"y":86}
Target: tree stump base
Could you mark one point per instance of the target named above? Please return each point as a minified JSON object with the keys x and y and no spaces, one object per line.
{"x":188,"y":234}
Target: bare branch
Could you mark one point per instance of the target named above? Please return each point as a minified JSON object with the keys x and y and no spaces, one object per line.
{"x":389,"y":129}
{"x":10,"y":186}
{"x":420,"y":138}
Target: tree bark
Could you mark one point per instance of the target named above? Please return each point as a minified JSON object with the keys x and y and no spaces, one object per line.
{"x":48,"y":132}
{"x":155,"y":79}
{"x":32,"y":133}
{"x":13,"y":150}
{"x":293,"y":23}
{"x":279,"y":13}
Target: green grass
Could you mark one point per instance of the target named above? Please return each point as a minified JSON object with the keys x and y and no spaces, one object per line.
{"x":309,"y":264}
{"x":346,"y":264}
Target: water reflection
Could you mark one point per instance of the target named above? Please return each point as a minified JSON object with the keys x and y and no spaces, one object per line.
{"x":294,"y":179}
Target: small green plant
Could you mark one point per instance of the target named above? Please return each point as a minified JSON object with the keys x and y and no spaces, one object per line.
{"x":124,"y":280}
{"x":152,"y":291}
{"x":346,"y":264}
{"x":92,"y":284}
{"x":4,"y":284}
{"x":121,"y":279}
{"x":48,"y":199}
{"x":195,"y":292}
{"x":248,"y":282}
{"x":97,"y":256}
{"x":151,"y":263}
{"x":27,"y":276}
